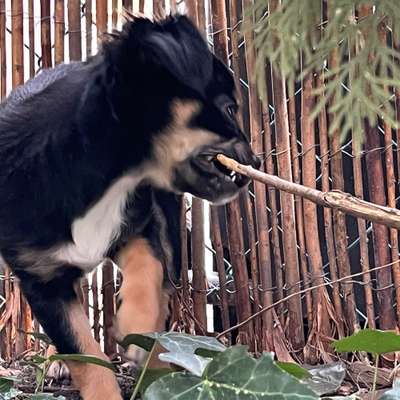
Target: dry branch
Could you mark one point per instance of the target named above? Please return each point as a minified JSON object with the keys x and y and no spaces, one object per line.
{"x":260,"y":195}
{"x":31,"y":42}
{"x":74,"y":21}
{"x":199,"y":288}
{"x":335,"y":199}
{"x":3,"y":54}
{"x":339,"y":219}
{"x":219,"y":261}
{"x":295,"y":329}
{"x":323,"y":315}
{"x":45,"y":33}
{"x":59,"y":32}
{"x":380,"y":234}
{"x":89,"y":26}
{"x":199,"y":284}
{"x":328,"y":221}
{"x":300,"y":292}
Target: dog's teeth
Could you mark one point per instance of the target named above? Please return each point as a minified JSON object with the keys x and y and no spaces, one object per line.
{"x":232,"y":173}
{"x":234,"y":178}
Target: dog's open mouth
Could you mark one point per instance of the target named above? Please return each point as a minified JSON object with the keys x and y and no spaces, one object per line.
{"x":220,"y":170}
{"x":232,"y":175}
{"x":204,"y":176}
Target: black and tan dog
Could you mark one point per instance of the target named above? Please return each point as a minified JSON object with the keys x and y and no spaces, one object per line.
{"x":92,"y":158}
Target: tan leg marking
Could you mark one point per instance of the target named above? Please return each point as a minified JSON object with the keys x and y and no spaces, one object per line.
{"x":94,"y":382}
{"x":144,"y":304}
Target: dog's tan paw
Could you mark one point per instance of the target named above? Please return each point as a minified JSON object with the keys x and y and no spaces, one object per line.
{"x":58,"y":371}
{"x":135,"y":355}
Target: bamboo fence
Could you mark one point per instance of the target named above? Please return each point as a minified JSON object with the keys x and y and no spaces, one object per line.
{"x":275,"y":270}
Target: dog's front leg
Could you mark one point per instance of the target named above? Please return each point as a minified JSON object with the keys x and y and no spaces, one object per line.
{"x":56,"y":306}
{"x":94,"y":382}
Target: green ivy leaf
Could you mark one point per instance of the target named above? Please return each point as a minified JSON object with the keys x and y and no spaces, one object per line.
{"x":176,"y":385}
{"x":143,"y":341}
{"x":174,"y":342}
{"x":293,"y":369}
{"x":370,"y":341}
{"x":326,"y":378}
{"x":151,"y":375}
{"x":11,"y":394}
{"x":182,"y":342}
{"x":233,"y":374}
{"x":191,"y":362}
{"x":6,"y":383}
{"x":82,"y":358}
{"x":207,"y":353}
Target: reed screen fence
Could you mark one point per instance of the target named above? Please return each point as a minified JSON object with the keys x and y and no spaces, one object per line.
{"x":320,"y":274}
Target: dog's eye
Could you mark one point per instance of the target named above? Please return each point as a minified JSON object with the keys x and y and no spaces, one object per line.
{"x":231,"y":109}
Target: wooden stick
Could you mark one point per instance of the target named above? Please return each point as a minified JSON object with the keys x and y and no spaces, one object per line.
{"x":3,"y":54}
{"x":31,"y":45}
{"x":335,"y":199}
{"x":377,"y":194}
{"x":89,"y":26}
{"x":298,"y":203}
{"x":339,"y":219}
{"x":328,"y":215}
{"x":199,"y":283}
{"x":263,"y":249}
{"x":199,"y":288}
{"x":59,"y":32}
{"x":45,"y":35}
{"x":295,"y":328}
{"x":270,"y":307}
{"x":74,"y":21}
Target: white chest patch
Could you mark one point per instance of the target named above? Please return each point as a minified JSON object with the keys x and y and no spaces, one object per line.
{"x":94,"y":232}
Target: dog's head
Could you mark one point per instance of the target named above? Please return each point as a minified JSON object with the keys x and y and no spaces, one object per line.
{"x":195,"y":93}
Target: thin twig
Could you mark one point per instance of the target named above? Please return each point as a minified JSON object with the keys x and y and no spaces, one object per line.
{"x":375,"y":376}
{"x":264,"y":309}
{"x":335,"y":199}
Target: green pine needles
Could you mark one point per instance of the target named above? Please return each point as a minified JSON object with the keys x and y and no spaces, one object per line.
{"x":355,"y":51}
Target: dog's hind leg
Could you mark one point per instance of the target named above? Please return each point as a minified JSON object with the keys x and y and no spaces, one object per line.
{"x":143,"y":302}
{"x":56,"y":306}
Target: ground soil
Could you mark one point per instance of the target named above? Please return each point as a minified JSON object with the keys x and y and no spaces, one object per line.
{"x":26,"y":382}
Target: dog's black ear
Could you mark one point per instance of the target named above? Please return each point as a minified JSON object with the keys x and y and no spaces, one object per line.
{"x":178,"y":48}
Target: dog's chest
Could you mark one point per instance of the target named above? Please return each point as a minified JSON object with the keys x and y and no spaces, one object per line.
{"x":95,"y":231}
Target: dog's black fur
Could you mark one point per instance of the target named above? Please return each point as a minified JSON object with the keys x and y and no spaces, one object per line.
{"x":70,"y":133}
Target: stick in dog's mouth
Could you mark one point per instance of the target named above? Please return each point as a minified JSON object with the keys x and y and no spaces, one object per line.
{"x":231,"y":165}
{"x":222,"y":163}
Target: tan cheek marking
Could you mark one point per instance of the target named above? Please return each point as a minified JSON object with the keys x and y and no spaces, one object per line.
{"x":94,"y":382}
{"x":177,"y":142}
{"x":184,"y":111}
{"x":144,"y":305}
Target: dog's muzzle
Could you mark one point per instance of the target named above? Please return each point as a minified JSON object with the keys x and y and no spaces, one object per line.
{"x":204,"y":176}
